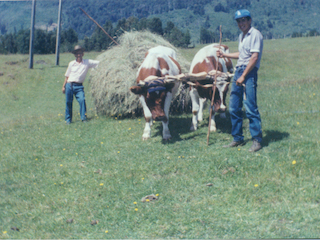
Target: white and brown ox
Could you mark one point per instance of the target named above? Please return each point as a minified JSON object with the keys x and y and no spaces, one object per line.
{"x":155,"y":94}
{"x":205,"y":61}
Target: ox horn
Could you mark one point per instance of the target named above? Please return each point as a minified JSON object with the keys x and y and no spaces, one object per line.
{"x":141,"y":83}
{"x":230,"y":74}
{"x":179,"y":77}
{"x":191,"y":83}
{"x":207,"y":85}
{"x":213,"y":72}
{"x":197,"y":76}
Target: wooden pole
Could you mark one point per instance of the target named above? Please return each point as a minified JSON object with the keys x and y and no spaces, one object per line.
{"x":213,"y":91}
{"x":99,"y":26}
{"x":58,"y":33}
{"x":33,"y":14}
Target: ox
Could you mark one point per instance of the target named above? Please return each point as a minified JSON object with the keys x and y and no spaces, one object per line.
{"x":155,"y":94}
{"x":205,"y":61}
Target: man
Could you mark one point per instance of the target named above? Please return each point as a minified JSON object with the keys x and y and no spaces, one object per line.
{"x":75,"y":76}
{"x":244,"y":84}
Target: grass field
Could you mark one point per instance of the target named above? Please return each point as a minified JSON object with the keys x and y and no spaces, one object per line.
{"x":49,"y":172}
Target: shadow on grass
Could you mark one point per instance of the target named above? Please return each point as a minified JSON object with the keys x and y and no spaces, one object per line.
{"x":273,"y":136}
{"x":178,"y":126}
{"x":181,"y":126}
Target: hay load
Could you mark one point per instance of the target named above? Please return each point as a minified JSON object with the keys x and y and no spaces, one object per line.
{"x":116,"y":73}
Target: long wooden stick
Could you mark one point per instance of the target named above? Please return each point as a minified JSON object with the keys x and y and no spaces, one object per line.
{"x":99,"y":26}
{"x":213,"y":91}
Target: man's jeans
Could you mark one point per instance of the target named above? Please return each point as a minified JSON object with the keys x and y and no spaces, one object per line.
{"x":78,"y":91}
{"x":237,"y":101}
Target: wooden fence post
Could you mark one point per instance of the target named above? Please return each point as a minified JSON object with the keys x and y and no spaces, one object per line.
{"x":33,"y":14}
{"x":58,"y":33}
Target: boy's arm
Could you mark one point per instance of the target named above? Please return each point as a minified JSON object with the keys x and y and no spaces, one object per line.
{"x":64,"y":85}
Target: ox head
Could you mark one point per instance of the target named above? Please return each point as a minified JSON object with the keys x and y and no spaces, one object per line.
{"x":205,"y":89}
{"x":154,"y":91}
{"x":222,"y":86}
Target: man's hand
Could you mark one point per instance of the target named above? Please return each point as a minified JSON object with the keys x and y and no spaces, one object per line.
{"x":63,"y":89}
{"x":240,"y":80}
{"x":220,"y":53}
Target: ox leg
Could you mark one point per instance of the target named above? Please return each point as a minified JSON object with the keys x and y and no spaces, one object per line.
{"x":213,"y":127}
{"x":195,"y":108}
{"x":201,"y":105}
{"x":148,"y":116}
{"x":223,"y":115}
{"x":165,"y":125}
{"x":222,"y":106}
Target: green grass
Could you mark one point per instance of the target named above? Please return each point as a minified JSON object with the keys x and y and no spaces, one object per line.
{"x":47,"y":169}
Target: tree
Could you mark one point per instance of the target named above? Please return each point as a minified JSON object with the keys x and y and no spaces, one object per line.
{"x":207,"y":36}
{"x":155,"y":25}
{"x":23,"y":41}
{"x":169,"y":27}
{"x":132,"y":23}
{"x":143,"y":24}
{"x":187,"y":38}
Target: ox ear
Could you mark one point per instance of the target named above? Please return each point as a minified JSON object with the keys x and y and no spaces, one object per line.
{"x":137,"y":90}
{"x":230,"y":75}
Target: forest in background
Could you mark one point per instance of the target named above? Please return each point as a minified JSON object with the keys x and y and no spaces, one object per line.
{"x":197,"y":20}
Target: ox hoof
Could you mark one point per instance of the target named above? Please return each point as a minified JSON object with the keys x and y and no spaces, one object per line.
{"x":223,"y":115}
{"x":193,"y":128}
{"x":166,"y":139}
{"x":213,"y":129}
{"x":145,"y":137}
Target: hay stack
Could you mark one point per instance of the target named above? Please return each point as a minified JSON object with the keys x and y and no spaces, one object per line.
{"x":116,"y":73}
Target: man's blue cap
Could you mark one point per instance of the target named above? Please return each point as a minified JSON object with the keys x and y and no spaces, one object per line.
{"x":242,"y":13}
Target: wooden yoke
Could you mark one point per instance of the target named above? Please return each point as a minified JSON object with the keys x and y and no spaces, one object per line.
{"x":189,"y":78}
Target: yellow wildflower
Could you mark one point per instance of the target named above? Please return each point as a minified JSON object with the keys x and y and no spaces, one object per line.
{"x":136,"y":209}
{"x":294,"y":162}
{"x":256,"y":185}
{"x":101,"y":184}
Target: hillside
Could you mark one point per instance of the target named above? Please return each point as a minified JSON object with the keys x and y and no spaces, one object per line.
{"x":275,"y":19}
